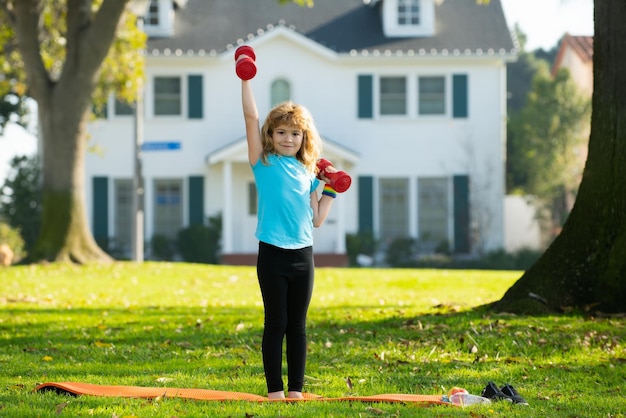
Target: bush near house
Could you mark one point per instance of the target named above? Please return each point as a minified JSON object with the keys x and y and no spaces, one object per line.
{"x":11,"y":238}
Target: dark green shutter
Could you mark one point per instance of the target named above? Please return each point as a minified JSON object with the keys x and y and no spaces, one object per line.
{"x":459,"y":96}
{"x":366,"y":204}
{"x":100,"y":208}
{"x":461,"y":215}
{"x":196,"y":200}
{"x":366,"y":96}
{"x":195,"y":102}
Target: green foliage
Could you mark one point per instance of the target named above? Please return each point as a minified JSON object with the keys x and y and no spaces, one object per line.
{"x":12,"y":238}
{"x":20,"y":198}
{"x":520,"y":74}
{"x":360,"y":243}
{"x":121,"y":71}
{"x":163,"y":248}
{"x":370,"y":331}
{"x":199,"y":243}
{"x":548,"y":137}
{"x":401,"y":252}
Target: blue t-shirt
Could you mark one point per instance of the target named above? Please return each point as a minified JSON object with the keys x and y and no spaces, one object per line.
{"x":284,"y":187}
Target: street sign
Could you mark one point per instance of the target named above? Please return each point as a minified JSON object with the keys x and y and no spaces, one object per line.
{"x":160,"y":146}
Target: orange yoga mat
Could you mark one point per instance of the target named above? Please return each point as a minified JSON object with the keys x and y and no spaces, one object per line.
{"x":76,"y":388}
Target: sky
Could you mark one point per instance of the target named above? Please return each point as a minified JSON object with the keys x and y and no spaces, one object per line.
{"x":545,"y":21}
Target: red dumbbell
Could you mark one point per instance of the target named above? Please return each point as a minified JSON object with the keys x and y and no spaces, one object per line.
{"x":244,"y":59}
{"x":340,"y":180}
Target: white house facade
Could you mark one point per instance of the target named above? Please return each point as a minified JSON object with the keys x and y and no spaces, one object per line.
{"x":409,"y":96}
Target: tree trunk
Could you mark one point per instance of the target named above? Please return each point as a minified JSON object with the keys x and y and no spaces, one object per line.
{"x":63,"y":94}
{"x":585,"y":267}
{"x":65,"y":233}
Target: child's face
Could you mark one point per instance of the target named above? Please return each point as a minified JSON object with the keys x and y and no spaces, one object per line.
{"x":287,"y":140}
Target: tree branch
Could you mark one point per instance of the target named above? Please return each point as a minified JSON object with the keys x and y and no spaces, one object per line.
{"x":26,"y":15}
{"x":89,"y":38}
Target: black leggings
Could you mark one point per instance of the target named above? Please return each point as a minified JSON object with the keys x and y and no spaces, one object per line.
{"x":286,"y":281}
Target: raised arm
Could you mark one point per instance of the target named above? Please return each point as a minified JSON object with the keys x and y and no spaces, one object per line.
{"x":251,"y":117}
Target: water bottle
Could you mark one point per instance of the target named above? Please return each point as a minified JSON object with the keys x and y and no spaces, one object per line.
{"x":461,"y":397}
{"x":465,"y":399}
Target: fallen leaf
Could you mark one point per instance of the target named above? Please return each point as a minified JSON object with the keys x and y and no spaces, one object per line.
{"x":349,"y":383}
{"x":60,"y":408}
{"x":375,"y":410}
{"x":100,"y":344}
{"x":47,"y":358}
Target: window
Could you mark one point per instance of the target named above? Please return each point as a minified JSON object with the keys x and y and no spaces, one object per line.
{"x":393,"y":95}
{"x":123,"y":214}
{"x":408,"y":12}
{"x":252,"y":199}
{"x":168,"y":208}
{"x":433,"y":210}
{"x":280,"y":92}
{"x":432,"y":96}
{"x":122,"y":108}
{"x":394,"y":208}
{"x":167,"y":96}
{"x":152,"y":15}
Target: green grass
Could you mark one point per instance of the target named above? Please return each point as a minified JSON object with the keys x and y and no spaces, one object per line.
{"x":386,"y":331}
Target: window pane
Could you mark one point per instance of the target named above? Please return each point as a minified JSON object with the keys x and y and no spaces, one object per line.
{"x":152,"y":16}
{"x":433,"y":213}
{"x":281,"y":92}
{"x":167,"y":100}
{"x":394,"y":208}
{"x":393,"y":96}
{"x":168,"y":208}
{"x":408,"y":12}
{"x":123,"y":215}
{"x":432,"y":96}
{"x":252,"y":199}
{"x":123,"y":108}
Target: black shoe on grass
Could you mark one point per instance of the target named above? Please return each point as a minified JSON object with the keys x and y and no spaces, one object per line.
{"x":509,"y":390}
{"x":492,"y":392}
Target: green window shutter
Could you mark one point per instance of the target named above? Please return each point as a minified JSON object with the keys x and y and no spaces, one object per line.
{"x":194,"y":97}
{"x":366,"y":96}
{"x":196,"y":200}
{"x":461,"y":215}
{"x":366,"y":204}
{"x":101,"y":208}
{"x":459,"y":96}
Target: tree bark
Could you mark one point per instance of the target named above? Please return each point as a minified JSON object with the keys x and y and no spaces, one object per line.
{"x":585,"y":267}
{"x":63,"y":99}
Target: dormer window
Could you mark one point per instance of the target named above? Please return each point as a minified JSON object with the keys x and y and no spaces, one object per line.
{"x":408,"y":12}
{"x":408,"y":18}
{"x":152,"y":16}
{"x":159,"y":19}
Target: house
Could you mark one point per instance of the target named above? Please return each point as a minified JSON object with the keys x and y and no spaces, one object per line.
{"x":409,"y":96}
{"x":576,"y":54}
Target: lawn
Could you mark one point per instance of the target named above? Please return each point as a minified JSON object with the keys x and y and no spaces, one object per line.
{"x":371,"y":331}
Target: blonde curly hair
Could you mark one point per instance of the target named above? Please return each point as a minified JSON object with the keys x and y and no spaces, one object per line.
{"x":296,"y":116}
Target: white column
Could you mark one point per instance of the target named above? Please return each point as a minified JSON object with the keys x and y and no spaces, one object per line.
{"x":340,"y":229}
{"x":227,"y":215}
{"x":413,"y":203}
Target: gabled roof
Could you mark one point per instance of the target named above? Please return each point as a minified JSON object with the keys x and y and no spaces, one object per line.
{"x":343,"y":26}
{"x":237,"y":151}
{"x":581,"y":45}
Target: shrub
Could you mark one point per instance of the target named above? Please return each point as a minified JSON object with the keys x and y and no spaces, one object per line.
{"x":200,"y":243}
{"x":12,"y":238}
{"x":401,"y":253}
{"x":163,"y":248}
{"x":360,"y":243}
{"x":20,"y":199}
